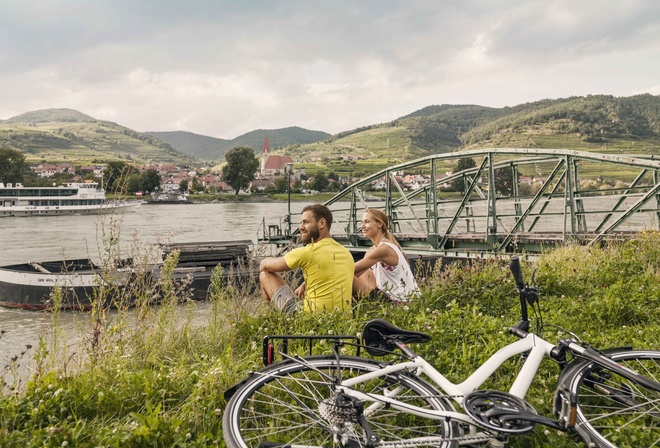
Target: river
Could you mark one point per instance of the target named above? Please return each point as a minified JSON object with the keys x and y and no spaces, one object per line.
{"x":58,"y":237}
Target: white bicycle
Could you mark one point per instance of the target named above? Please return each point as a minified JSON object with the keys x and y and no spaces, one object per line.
{"x":608,"y":398}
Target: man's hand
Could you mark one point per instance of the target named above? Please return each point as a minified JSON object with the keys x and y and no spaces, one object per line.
{"x":300,"y":290}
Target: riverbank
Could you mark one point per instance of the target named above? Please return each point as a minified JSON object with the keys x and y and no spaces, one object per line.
{"x":250,"y":198}
{"x":160,"y":380}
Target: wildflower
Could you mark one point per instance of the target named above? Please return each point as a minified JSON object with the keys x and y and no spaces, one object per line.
{"x":65,"y":443}
{"x":218,"y":411}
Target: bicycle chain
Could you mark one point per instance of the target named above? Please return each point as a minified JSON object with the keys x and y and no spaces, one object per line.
{"x":405,"y":443}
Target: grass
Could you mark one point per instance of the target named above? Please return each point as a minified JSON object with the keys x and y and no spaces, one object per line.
{"x":154,"y":377}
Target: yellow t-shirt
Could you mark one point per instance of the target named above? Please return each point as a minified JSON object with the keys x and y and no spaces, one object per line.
{"x":328,"y":269}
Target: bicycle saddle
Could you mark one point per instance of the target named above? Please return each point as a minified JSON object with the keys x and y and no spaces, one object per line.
{"x":377,"y":335}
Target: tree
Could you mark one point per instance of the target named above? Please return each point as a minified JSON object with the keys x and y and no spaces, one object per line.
{"x":116,"y":174}
{"x":197,"y":185}
{"x":281,"y":184}
{"x":150,"y":181}
{"x":183,"y":185}
{"x":504,"y":181}
{"x":464,"y":163}
{"x":320,"y":182}
{"x":240,"y":168}
{"x":133,"y":183}
{"x":12,"y":165}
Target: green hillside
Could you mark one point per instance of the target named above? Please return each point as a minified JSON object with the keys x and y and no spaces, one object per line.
{"x":56,"y":135}
{"x":597,"y":123}
{"x":600,"y":123}
{"x":195,"y":145}
{"x":210,"y":148}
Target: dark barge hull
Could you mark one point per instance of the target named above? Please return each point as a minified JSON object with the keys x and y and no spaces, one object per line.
{"x":30,"y":285}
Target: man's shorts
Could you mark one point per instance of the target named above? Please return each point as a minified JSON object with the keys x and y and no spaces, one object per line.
{"x":286,"y":300}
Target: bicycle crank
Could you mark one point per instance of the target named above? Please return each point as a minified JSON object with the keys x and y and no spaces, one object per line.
{"x":503,"y":412}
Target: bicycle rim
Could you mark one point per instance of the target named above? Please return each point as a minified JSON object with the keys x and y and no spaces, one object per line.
{"x":613,"y":411}
{"x":287,"y":404}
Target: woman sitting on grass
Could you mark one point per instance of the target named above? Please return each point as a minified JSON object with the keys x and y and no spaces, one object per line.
{"x":384,"y":270}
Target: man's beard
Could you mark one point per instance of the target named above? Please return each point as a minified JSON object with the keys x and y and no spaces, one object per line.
{"x":311,"y":235}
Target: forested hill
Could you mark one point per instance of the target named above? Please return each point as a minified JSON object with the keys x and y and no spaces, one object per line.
{"x":599,"y":123}
{"x":56,"y":135}
{"x":51,"y":116}
{"x":211,"y":148}
{"x":597,"y":119}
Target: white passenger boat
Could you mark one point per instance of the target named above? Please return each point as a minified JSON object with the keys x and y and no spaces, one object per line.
{"x":69,"y":199}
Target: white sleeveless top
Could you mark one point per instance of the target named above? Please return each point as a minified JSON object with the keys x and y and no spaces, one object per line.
{"x":397,"y":281}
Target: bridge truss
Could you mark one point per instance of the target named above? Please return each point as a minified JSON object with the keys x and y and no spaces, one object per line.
{"x":508,"y":200}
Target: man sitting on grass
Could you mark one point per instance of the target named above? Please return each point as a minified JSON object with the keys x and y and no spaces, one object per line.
{"x":327,"y":268}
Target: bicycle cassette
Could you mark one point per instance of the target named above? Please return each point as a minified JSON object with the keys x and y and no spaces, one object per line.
{"x":500,"y":411}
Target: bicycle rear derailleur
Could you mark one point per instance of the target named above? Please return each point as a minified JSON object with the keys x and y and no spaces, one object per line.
{"x":342,"y":411}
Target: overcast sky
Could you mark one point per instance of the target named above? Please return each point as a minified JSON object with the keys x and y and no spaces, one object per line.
{"x":223,"y":68}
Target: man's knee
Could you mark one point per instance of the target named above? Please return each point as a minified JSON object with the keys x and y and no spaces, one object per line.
{"x":270,"y":282}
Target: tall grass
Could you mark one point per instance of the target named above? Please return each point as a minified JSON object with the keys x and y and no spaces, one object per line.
{"x":154,"y":376}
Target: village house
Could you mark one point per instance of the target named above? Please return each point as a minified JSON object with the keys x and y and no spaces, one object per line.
{"x":49,"y":170}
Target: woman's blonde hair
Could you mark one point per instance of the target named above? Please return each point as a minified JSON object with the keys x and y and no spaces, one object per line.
{"x":382,"y":218}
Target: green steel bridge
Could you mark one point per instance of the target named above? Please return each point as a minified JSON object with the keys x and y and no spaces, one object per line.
{"x":503,"y":201}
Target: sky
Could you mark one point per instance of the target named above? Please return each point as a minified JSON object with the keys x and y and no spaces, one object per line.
{"x":226,"y":67}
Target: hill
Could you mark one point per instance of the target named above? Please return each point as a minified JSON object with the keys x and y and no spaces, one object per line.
{"x":210,"y":148}
{"x":599,"y":123}
{"x":54,"y":135}
{"x":197,"y":145}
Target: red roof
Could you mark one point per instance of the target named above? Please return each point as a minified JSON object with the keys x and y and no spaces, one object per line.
{"x":275,"y":162}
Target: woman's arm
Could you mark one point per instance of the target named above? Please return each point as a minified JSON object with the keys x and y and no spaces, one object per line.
{"x":382,"y":253}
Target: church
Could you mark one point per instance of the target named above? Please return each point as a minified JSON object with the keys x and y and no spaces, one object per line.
{"x":272,"y":163}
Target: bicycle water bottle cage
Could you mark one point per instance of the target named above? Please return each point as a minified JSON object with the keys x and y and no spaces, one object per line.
{"x":378,"y":334}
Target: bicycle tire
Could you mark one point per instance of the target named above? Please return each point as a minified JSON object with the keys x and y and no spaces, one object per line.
{"x":612,"y":411}
{"x":279,"y":406}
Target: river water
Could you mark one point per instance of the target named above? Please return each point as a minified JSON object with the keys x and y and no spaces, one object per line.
{"x":65,"y":237}
{"x":58,"y":237}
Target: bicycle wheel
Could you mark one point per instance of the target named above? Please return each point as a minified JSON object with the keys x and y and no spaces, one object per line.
{"x":295,"y":404}
{"x":613,"y":411}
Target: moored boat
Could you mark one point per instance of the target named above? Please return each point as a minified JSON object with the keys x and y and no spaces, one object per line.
{"x":74,"y":198}
{"x":169,"y":198}
{"x":30,"y":285}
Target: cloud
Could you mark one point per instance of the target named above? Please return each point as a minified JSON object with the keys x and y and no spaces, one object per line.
{"x":222,"y":68}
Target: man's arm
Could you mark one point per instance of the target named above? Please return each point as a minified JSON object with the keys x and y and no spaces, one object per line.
{"x":273,"y":264}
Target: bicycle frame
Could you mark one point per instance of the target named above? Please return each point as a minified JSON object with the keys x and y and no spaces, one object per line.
{"x":536,"y":346}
